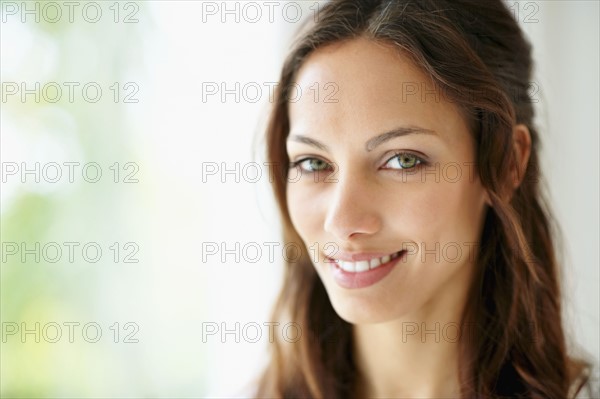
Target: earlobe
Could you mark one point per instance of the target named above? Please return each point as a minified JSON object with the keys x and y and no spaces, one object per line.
{"x":522,"y":150}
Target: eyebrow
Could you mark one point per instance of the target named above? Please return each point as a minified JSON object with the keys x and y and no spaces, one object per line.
{"x":371,"y":143}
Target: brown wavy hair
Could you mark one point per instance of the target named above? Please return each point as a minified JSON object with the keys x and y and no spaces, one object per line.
{"x":476,"y":53}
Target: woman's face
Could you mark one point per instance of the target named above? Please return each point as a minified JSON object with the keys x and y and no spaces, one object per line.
{"x":396,"y":189}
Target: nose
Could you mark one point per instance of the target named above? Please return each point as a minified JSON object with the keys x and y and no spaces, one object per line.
{"x":354,"y":210}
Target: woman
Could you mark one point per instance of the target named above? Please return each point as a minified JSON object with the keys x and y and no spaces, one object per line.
{"x":409,"y":178}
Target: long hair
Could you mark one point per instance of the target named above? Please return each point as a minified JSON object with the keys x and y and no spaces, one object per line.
{"x":476,"y":53}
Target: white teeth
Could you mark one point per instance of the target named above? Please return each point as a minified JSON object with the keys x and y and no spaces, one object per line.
{"x":375,"y":262}
{"x":364,"y":265}
{"x":347,"y":266}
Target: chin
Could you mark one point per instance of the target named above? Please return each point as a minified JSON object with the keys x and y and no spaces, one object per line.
{"x":363,"y":310}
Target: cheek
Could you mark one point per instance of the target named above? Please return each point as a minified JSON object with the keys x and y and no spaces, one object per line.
{"x":437,"y":212}
{"x":305,"y":210}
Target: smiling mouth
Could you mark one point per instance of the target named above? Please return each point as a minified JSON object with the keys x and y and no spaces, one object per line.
{"x":365,"y":265}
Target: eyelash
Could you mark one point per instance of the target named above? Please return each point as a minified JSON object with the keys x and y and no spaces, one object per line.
{"x":419,"y":162}
{"x":300,"y":161}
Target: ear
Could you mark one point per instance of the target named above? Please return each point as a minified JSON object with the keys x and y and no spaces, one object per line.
{"x":522,"y":150}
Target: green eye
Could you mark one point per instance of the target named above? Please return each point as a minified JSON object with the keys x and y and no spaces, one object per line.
{"x":312,"y":165}
{"x":403,"y":160}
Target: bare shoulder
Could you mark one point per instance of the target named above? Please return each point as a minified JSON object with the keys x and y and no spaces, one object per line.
{"x":586,"y":385}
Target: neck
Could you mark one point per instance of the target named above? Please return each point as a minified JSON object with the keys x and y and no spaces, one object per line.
{"x":408,"y":359}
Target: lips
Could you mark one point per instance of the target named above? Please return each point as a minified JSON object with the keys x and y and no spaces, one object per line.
{"x":353,"y":274}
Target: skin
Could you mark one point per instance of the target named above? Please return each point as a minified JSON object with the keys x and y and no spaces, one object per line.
{"x":363,"y":202}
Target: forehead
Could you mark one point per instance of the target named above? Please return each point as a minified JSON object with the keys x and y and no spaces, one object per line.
{"x":364,"y":87}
